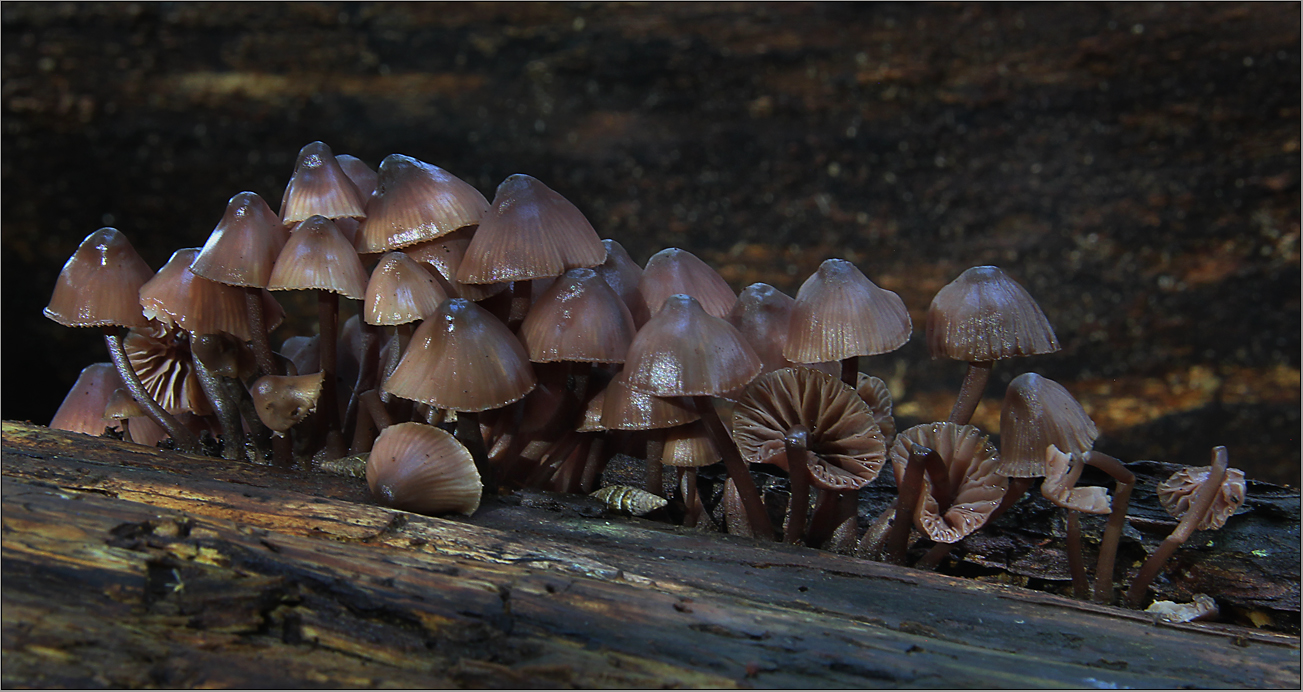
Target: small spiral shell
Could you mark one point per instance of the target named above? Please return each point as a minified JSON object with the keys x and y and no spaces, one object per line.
{"x":626,"y":498}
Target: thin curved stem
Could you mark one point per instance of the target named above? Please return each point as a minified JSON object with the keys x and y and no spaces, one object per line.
{"x":185,"y":440}
{"x":468,"y":433}
{"x":737,"y":470}
{"x":797,"y":443}
{"x":911,"y":487}
{"x":970,"y":394}
{"x":1117,"y":519}
{"x":328,"y":327}
{"x":851,"y":371}
{"x":1199,"y":506}
{"x":262,"y":352}
{"x":1076,"y":561}
{"x":228,"y":415}
{"x":1017,"y":488}
{"x":654,"y":471}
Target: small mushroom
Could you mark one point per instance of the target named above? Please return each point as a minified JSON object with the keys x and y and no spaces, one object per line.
{"x":282,"y":401}
{"x":676,"y":271}
{"x":416,"y":202}
{"x":420,"y":468}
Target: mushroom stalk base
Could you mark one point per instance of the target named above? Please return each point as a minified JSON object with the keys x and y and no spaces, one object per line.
{"x":970,"y":394}
{"x":1108,"y":546}
{"x":737,"y":470}
{"x":185,"y":440}
{"x":797,"y":443}
{"x":911,"y":487}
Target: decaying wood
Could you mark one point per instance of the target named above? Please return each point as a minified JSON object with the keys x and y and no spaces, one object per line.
{"x":126,"y":566}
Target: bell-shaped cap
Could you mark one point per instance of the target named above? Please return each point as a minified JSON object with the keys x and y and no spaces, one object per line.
{"x":874,"y":392}
{"x":320,"y":188}
{"x":689,"y":445}
{"x":625,"y":408}
{"x":840,"y":313}
{"x":674,"y":270}
{"x":624,"y":276}
{"x":420,"y":468}
{"x":1039,"y":412}
{"x":360,"y":174}
{"x":445,"y":255}
{"x":317,"y":256}
{"x":1060,"y":483}
{"x":243,"y":247}
{"x":682,"y":351}
{"x":847,"y":447}
{"x":1177,"y":492}
{"x":178,"y":296}
{"x":579,"y":319}
{"x":464,"y":359}
{"x":415,"y":202}
{"x":761,"y":315}
{"x":161,"y":359}
{"x":99,"y":285}
{"x":82,"y":410}
{"x":976,"y":487}
{"x":122,"y":406}
{"x":530,"y":232}
{"x":985,"y":315}
{"x":401,"y":291}
{"x":282,"y":401}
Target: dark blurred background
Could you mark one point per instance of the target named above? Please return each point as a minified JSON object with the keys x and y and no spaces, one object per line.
{"x":1135,"y":166}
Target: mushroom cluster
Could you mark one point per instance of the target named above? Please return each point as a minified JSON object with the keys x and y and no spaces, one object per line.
{"x":503,"y":344}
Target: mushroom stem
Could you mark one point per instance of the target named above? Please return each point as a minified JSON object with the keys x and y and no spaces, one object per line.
{"x":370,"y":400}
{"x":851,"y":371}
{"x":366,"y":372}
{"x":227,"y":413}
{"x":593,"y":465}
{"x":737,"y":469}
{"x":934,"y":556}
{"x":911,"y":487}
{"x":1108,"y":547}
{"x":798,"y":445}
{"x":870,"y":545}
{"x":824,"y":520}
{"x":688,"y":480}
{"x":468,"y":433}
{"x":970,"y":394}
{"x":1199,"y":506}
{"x":654,"y":471}
{"x":185,"y":440}
{"x":262,"y":352}
{"x":328,"y":324}
{"x":364,"y":431}
{"x":1017,"y":488}
{"x":521,"y":299}
{"x":1076,"y":561}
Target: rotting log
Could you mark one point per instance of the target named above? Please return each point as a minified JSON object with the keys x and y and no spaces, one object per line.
{"x":127,"y":566}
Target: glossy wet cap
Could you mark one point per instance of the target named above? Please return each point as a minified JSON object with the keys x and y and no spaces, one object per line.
{"x":420,"y":468}
{"x":401,"y":291}
{"x":359,"y":173}
{"x":318,"y":257}
{"x":176,"y":295}
{"x":1039,"y":412}
{"x":444,"y":256}
{"x":82,"y":409}
{"x":578,"y":319}
{"x":99,"y":285}
{"x":761,"y":315}
{"x":985,"y":315}
{"x":682,"y":351}
{"x":840,"y":313}
{"x":674,"y":270}
{"x":243,"y":247}
{"x":416,"y":202}
{"x":282,"y":401}
{"x":320,"y":188}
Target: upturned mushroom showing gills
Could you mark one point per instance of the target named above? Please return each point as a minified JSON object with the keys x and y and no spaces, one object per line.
{"x":981,"y":317}
{"x":420,"y":468}
{"x":282,"y":401}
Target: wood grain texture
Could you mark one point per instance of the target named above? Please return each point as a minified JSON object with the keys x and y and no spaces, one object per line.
{"x":125,"y":566}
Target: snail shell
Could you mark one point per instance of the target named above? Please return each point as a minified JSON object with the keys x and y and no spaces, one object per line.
{"x":626,"y":498}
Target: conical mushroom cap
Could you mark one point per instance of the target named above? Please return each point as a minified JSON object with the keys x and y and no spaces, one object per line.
{"x":317,"y":256}
{"x":976,"y":486}
{"x":530,"y":232}
{"x":1060,"y":488}
{"x":840,"y":313}
{"x":415,"y":202}
{"x":1177,"y":492}
{"x":99,"y":285}
{"x":320,"y":188}
{"x":445,"y":255}
{"x":360,"y":174}
{"x":578,"y":319}
{"x":689,"y":445}
{"x":162,"y":361}
{"x":761,"y":315}
{"x":1039,"y":412}
{"x":625,"y":408}
{"x":82,"y":410}
{"x":984,"y":315}
{"x":282,"y":401}
{"x":674,"y":270}
{"x":682,"y":351}
{"x":624,"y":276}
{"x":848,"y":449}
{"x":420,"y":468}
{"x":401,"y":291}
{"x":197,"y":305}
{"x":464,"y":359}
{"x":242,"y":249}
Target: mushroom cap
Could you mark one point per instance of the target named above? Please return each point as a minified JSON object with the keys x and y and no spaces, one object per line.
{"x":624,"y":275}
{"x":682,"y":351}
{"x":464,"y":359}
{"x":874,"y":392}
{"x":625,"y":408}
{"x":975,"y":484}
{"x":761,"y":315}
{"x":317,"y":256}
{"x":162,"y":361}
{"x":320,"y":187}
{"x":529,"y":232}
{"x":176,"y":295}
{"x":82,"y":409}
{"x":121,"y":405}
{"x":416,"y":202}
{"x":580,"y":319}
{"x":282,"y":401}
{"x":420,"y":468}
{"x":1059,"y":486}
{"x":1177,"y":492}
{"x":689,"y":445}
{"x":985,"y":315}
{"x":243,"y":247}
{"x":840,"y":313}
{"x":360,"y":174}
{"x":401,"y":291}
{"x":445,"y":255}
{"x":99,"y":286}
{"x":847,"y":447}
{"x":674,"y":270}
{"x":1039,"y":412}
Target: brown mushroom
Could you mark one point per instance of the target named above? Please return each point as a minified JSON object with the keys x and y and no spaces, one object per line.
{"x":416,"y":202}
{"x":674,"y":270}
{"x":420,"y":468}
{"x":283,"y":401}
{"x":319,"y":187}
{"x":82,"y":408}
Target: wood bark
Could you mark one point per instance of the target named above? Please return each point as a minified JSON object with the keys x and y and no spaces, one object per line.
{"x":137,"y":567}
